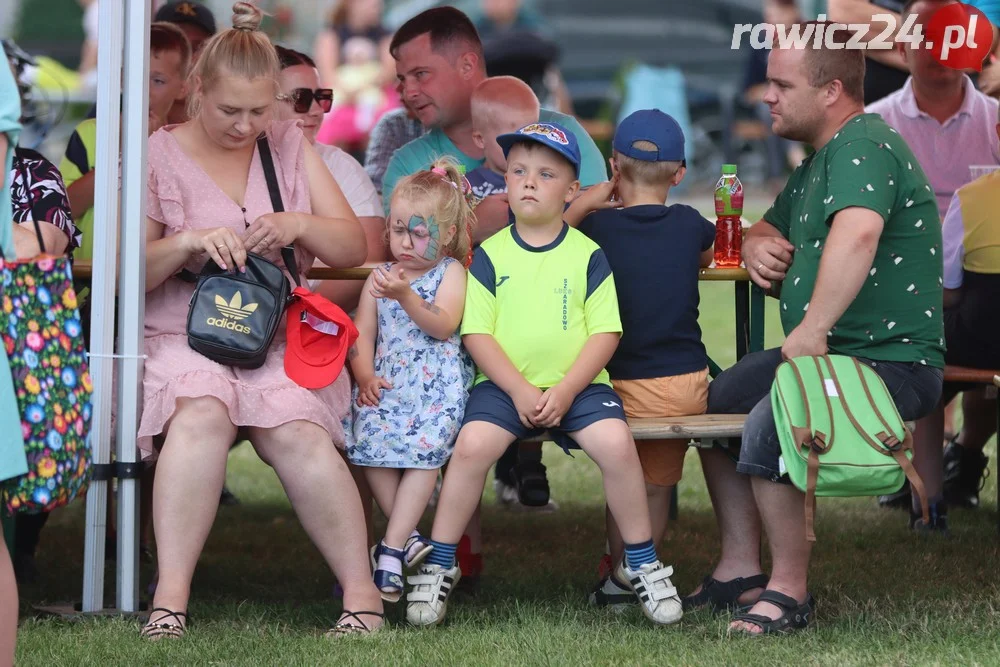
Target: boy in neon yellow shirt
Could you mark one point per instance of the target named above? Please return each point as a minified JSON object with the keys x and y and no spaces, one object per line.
{"x":541,"y":321}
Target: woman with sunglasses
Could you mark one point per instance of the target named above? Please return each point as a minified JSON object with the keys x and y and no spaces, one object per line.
{"x":305,"y":101}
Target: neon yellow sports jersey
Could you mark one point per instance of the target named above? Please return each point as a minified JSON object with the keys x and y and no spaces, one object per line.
{"x":541,"y":304}
{"x":81,"y":153}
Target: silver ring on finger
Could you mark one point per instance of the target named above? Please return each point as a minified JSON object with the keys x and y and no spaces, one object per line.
{"x":760,"y":266}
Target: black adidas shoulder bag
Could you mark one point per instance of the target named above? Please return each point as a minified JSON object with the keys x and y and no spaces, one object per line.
{"x":234,"y":316}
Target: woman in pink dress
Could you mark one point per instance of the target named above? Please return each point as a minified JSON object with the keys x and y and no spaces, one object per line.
{"x":208,"y":199}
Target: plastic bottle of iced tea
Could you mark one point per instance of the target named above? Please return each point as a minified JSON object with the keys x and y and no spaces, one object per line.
{"x":728,"y":211}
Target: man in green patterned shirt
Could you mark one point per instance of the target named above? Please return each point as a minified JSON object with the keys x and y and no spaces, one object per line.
{"x":853,"y":246}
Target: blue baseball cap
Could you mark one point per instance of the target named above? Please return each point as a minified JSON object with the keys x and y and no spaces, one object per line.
{"x":657,"y":128}
{"x":555,"y":136}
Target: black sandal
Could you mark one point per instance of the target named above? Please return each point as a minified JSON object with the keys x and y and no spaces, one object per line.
{"x":796,"y":615}
{"x":159,"y":629}
{"x":724,"y":595}
{"x":342,"y":629}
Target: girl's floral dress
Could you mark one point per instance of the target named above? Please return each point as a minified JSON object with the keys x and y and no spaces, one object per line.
{"x":416,"y":422}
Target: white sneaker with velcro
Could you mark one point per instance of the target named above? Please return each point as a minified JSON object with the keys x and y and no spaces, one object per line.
{"x":657,"y":595}
{"x":427,"y":602}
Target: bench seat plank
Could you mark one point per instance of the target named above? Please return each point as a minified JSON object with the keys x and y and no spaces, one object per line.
{"x":680,"y":428}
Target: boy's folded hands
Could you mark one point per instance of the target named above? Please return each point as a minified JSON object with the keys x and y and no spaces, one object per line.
{"x":552,"y":406}
{"x":538,"y":409}
{"x":526,"y":400}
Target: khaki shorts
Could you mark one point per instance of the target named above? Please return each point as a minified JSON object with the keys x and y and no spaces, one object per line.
{"x":673,"y":396}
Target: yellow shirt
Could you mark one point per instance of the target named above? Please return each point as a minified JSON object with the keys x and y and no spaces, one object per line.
{"x":971,"y":230}
{"x":541,"y":304}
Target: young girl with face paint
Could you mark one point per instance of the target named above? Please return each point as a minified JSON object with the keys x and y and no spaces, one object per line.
{"x":412,"y":375}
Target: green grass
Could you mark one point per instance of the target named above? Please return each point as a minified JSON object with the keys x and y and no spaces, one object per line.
{"x":262,"y":595}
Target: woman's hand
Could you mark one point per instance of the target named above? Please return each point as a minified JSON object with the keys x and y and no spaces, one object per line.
{"x":271,"y":231}
{"x":222,"y":245}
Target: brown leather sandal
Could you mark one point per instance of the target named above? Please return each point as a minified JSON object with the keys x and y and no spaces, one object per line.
{"x":156,"y":630}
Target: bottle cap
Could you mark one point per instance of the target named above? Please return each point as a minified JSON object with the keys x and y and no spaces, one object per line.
{"x":729,"y":170}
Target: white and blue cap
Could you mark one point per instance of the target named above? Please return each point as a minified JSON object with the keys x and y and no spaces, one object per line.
{"x":555,"y":136}
{"x":655,"y":127}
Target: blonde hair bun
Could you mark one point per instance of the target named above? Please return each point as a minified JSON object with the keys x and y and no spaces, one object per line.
{"x":247,"y":17}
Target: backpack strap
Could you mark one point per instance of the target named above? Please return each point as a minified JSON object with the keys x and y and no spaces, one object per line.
{"x":898,"y":453}
{"x":817,"y":442}
{"x":267,"y":162}
{"x":890,"y":444}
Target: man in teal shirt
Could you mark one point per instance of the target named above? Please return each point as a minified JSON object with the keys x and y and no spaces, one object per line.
{"x":439,"y":61}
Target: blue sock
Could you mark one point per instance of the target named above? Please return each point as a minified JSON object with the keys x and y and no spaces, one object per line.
{"x":444,"y":554}
{"x":637,"y":555}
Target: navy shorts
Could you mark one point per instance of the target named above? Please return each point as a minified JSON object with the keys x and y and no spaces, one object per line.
{"x":489,"y":403}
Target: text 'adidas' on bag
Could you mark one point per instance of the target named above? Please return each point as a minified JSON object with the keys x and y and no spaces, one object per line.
{"x":840,"y":431}
{"x":232,"y":316}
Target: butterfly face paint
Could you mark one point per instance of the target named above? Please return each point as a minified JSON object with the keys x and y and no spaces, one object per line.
{"x":425,"y":237}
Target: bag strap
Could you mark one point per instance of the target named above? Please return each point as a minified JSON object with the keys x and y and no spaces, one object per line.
{"x":819,"y":444}
{"x":871,"y":400}
{"x":888,"y":442}
{"x":895,"y":448}
{"x":288,"y":252}
{"x":911,"y":474}
{"x":31,"y":202}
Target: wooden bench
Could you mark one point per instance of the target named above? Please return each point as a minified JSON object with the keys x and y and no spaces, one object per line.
{"x":699,"y":428}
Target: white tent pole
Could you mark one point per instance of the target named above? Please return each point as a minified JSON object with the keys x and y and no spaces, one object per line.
{"x":132,"y":291}
{"x":102,"y":297}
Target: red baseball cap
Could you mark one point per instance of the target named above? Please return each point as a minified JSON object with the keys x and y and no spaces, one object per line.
{"x":319,"y":335}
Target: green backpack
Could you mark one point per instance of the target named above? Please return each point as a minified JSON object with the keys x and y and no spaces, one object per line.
{"x":840,"y":432}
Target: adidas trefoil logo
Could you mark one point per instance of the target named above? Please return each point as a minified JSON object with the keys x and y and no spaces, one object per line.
{"x":233,"y":311}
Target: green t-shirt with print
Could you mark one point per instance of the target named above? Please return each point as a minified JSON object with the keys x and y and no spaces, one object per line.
{"x":897,"y":314}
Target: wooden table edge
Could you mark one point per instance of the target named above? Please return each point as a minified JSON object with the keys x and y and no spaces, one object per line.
{"x":84,"y":271}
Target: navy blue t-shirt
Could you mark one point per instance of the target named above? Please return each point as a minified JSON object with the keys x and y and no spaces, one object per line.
{"x":654,"y":253}
{"x":486,"y":182}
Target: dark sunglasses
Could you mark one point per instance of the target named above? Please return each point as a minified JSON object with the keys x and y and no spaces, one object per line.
{"x":302,"y":99}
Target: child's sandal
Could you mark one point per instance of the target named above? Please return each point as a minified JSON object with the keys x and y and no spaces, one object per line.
{"x":390,"y":584}
{"x":157,"y":630}
{"x":417,"y":549}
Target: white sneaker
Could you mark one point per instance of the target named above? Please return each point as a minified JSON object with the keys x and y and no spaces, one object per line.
{"x":427,"y":602}
{"x":651,"y":583}
{"x":506,"y":494}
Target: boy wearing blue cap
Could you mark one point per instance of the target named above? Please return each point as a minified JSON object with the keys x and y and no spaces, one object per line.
{"x":541,"y":321}
{"x":660,"y":368}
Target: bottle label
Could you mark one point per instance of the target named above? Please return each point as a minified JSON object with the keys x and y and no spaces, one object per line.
{"x":729,"y":196}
